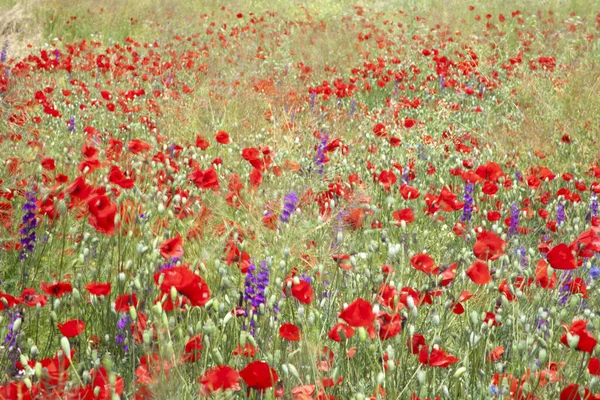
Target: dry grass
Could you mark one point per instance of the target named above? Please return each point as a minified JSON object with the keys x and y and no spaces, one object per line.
{"x":18,"y":28}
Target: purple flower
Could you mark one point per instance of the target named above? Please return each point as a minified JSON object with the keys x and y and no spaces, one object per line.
{"x":514,"y":220}
{"x":28,"y":236}
{"x":560,"y":215}
{"x":289,"y":205}
{"x":320,"y":157}
{"x":312,"y":97}
{"x":72,"y":125}
{"x":594,"y":205}
{"x":10,"y":341}
{"x":468,"y":207}
{"x":255,"y":285}
{"x":4,"y":51}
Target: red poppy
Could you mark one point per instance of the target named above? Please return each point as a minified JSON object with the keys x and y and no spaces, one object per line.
{"x":586,"y":340}
{"x":8,"y":301}
{"x":171,"y":248}
{"x":258,"y":375}
{"x":116,"y":176}
{"x":541,"y":276}
{"x":186,"y":282}
{"x":495,"y":354}
{"x":423,"y":262}
{"x":346,"y":330}
{"x":223,"y":137}
{"x":379,"y":130}
{"x":409,"y":192}
{"x":247,"y":351}
{"x":560,"y":257}
{"x":407,"y":215}
{"x":358,"y":313}
{"x":102,"y":214}
{"x":31,"y":299}
{"x":571,"y":392}
{"x":192,"y":349}
{"x":71,"y":328}
{"x":137,"y":146}
{"x":289,"y":332}
{"x":58,"y":289}
{"x":98,"y":289}
{"x":303,"y":292}
{"x":415,"y":342}
{"x":221,"y":377}
{"x":205,"y":179}
{"x":123,"y":302}
{"x":48,"y":164}
{"x":389,"y":325}
{"x":437,"y":358}
{"x":489,"y":246}
{"x":479,"y":273}
{"x":594,"y":366}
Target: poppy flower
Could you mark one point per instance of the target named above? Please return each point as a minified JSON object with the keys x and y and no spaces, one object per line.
{"x":479,"y":273}
{"x":186,"y":282}
{"x":123,"y":302}
{"x":205,"y":179}
{"x":102,"y":214}
{"x":71,"y":328}
{"x":594,"y":366}
{"x":437,"y":358}
{"x":289,"y":332}
{"x":31,"y":299}
{"x":409,"y":192}
{"x":415,"y":342}
{"x":358,"y":313}
{"x":221,"y":377}
{"x":334,"y":332}
{"x":303,"y":292}
{"x":116,"y":176}
{"x":407,"y":215}
{"x":171,"y":248}
{"x":223,"y":137}
{"x":422,"y":262}
{"x":8,"y":301}
{"x":489,"y":246}
{"x":560,"y":257}
{"x":137,"y":146}
{"x":495,"y":354}
{"x":258,"y":375}
{"x":247,"y":351}
{"x":586,"y":340}
{"x":390,"y":325}
{"x":192,"y":349}
{"x":98,"y":289}
{"x":571,"y":392}
{"x":58,"y":289}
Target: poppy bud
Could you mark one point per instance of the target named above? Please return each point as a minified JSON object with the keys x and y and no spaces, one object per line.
{"x":293,"y":371}
{"x":16,"y":325}
{"x":362,"y":334}
{"x":218,"y":356}
{"x":572,"y":340}
{"x":147,"y":337}
{"x":66,"y":346}
{"x":38,"y":370}
{"x":542,"y":356}
{"x":285,"y":370}
{"x":460,"y":372}
{"x":133,"y":313}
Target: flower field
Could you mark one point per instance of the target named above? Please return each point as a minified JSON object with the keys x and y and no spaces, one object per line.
{"x":300,"y":202}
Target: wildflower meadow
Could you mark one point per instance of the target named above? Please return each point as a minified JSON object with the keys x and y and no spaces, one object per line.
{"x":299,"y":200}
